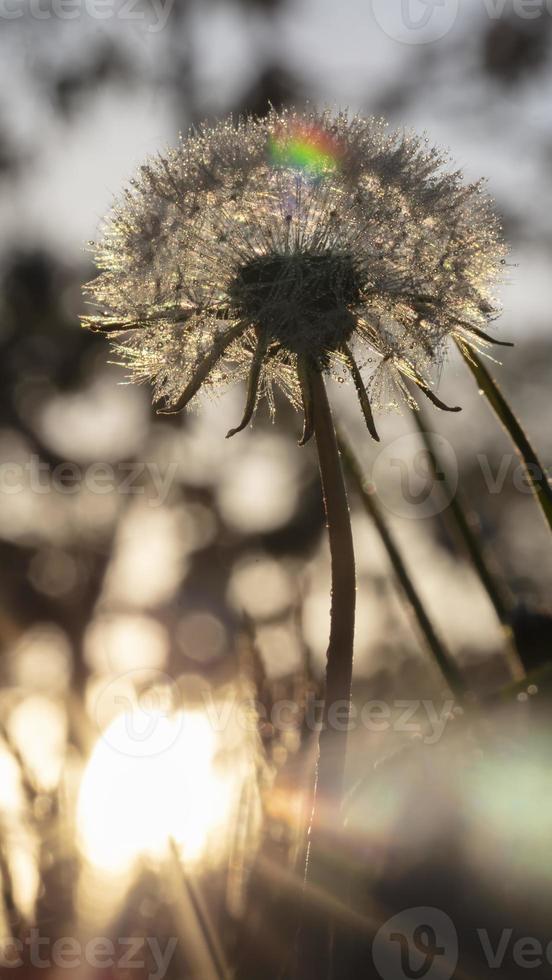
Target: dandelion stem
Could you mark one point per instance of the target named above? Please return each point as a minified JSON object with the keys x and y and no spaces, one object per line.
{"x":315,"y":937}
{"x":339,"y":664}
{"x":369,"y":500}
{"x":535,"y":472}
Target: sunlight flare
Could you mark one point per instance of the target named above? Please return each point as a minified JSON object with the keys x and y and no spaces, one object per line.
{"x":133,"y":804}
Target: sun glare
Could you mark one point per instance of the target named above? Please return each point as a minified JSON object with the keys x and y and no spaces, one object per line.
{"x":148,"y":788}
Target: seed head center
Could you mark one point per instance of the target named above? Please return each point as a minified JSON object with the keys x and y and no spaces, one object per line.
{"x":301,"y":299}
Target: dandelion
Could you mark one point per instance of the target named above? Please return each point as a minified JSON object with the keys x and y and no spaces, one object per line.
{"x":281,"y":251}
{"x":274,"y":248}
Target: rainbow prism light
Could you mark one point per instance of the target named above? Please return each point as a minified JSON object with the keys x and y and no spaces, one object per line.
{"x":308,"y":148}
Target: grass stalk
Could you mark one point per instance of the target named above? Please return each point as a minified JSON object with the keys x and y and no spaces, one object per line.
{"x":194,"y":929}
{"x":427,"y":630}
{"x":536,"y":473}
{"x":464,"y":522}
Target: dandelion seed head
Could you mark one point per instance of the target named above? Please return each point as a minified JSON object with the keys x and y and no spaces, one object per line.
{"x":264,"y":248}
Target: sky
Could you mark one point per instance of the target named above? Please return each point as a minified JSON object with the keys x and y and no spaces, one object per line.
{"x":353,"y":53}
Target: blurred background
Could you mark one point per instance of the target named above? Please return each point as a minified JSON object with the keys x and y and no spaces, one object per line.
{"x":153,"y":574}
